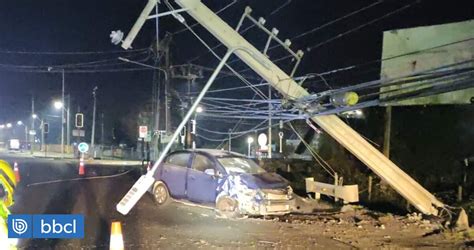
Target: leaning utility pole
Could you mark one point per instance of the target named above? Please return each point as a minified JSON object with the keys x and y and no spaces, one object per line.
{"x":94,"y":94}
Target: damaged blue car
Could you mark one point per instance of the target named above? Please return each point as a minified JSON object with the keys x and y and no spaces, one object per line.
{"x":230,"y":182}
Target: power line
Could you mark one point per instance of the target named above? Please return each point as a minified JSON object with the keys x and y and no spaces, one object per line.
{"x":363,"y":25}
{"x":331,"y":22}
{"x":219,"y":58}
{"x":96,"y":63}
{"x":276,"y":10}
{"x":320,"y":44}
{"x":217,"y":12}
{"x":71,"y":52}
{"x":324,"y":164}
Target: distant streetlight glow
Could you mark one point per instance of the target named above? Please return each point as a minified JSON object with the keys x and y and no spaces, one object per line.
{"x":199,"y":109}
{"x":34,"y":116}
{"x":19,"y":123}
{"x":2,"y":126}
{"x":249,"y":141}
{"x":9,"y":125}
{"x":58,"y":104}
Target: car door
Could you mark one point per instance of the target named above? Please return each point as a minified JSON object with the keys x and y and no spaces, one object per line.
{"x":174,"y":173}
{"x":201,"y":186}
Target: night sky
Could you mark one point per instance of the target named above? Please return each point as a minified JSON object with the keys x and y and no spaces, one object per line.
{"x":29,"y":29}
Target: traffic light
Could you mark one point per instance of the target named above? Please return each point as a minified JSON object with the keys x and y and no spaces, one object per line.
{"x":79,"y":120}
{"x":46,"y":128}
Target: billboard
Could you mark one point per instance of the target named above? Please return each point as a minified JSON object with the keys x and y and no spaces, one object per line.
{"x":414,"y":50}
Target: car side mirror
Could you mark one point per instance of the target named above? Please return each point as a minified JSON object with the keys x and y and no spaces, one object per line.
{"x":210,"y":172}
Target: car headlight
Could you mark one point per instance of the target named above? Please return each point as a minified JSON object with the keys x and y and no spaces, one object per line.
{"x":259,"y":196}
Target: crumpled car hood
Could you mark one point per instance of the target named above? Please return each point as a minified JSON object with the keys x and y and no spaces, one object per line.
{"x":263,"y":181}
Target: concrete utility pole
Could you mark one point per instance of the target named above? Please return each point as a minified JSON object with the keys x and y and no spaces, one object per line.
{"x":94,"y":94}
{"x":32,"y":137}
{"x":62,"y":117}
{"x":68,"y":125}
{"x":43,"y":143}
{"x":102,"y":128}
{"x":335,"y":127}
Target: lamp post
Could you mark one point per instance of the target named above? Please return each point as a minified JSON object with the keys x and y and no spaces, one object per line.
{"x":249,"y":141}
{"x":94,"y":94}
{"x":20,"y":123}
{"x":60,"y":105}
{"x":35,"y":116}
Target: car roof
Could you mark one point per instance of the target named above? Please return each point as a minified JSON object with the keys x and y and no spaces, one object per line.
{"x":213,"y":152}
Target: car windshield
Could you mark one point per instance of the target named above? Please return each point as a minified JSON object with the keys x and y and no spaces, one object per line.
{"x":240,"y":165}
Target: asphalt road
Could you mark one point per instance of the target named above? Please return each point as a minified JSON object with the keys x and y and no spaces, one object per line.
{"x":54,"y":187}
{"x":51,"y":186}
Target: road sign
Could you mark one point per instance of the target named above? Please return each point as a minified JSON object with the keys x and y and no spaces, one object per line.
{"x":83,"y":147}
{"x":78,"y":132}
{"x":142,"y":131}
{"x":262,"y":140}
{"x":32,"y":132}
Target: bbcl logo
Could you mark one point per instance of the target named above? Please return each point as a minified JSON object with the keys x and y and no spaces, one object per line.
{"x":19,"y":226}
{"x":45,"y":226}
{"x":57,"y":228}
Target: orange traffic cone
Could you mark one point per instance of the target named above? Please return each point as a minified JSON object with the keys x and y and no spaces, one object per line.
{"x":17,"y":171}
{"x":116,"y":237}
{"x":82,"y":169}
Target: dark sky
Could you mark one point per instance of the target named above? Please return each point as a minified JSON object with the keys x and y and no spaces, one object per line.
{"x":84,"y":26}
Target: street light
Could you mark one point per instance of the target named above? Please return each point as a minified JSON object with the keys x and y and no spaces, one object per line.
{"x":20,"y":123}
{"x":249,"y":141}
{"x":2,"y":126}
{"x":199,"y":109}
{"x":58,"y":104}
{"x":35,"y":116}
{"x":9,"y":125}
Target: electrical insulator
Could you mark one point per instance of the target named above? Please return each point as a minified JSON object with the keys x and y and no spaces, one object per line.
{"x":345,"y":99}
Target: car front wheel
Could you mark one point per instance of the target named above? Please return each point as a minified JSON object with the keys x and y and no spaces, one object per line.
{"x":227,"y":207}
{"x":161,"y":194}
